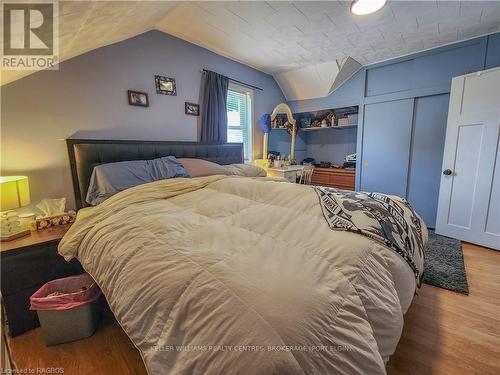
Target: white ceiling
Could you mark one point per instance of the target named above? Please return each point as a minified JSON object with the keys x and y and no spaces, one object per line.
{"x":277,"y":36}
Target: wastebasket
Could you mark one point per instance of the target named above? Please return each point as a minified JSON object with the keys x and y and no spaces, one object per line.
{"x":67,"y":308}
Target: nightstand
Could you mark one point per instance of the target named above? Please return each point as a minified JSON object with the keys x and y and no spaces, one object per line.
{"x":27,"y":263}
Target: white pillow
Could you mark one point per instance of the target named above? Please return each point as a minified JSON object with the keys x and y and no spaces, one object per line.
{"x":246,"y":170}
{"x":200,"y":168}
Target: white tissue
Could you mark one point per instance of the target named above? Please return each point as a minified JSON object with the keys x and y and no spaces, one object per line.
{"x":52,"y":207}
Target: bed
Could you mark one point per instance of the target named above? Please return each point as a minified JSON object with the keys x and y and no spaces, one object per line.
{"x":235,"y":275}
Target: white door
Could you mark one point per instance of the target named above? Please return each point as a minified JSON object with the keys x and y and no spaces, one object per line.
{"x":469,"y":196}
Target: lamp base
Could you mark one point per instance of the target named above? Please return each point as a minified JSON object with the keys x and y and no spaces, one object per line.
{"x":14,"y":235}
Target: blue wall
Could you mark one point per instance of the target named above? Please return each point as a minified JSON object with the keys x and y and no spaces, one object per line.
{"x":280,"y":141}
{"x":413,"y":88}
{"x":331,"y":144}
{"x":87,"y":98}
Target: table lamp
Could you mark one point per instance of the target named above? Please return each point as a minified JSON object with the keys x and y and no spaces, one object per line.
{"x":14,"y":193}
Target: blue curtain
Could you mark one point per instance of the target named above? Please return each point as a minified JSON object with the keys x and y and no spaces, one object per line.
{"x":213,"y":110}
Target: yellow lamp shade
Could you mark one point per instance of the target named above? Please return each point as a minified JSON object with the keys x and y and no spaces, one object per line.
{"x":14,"y":192}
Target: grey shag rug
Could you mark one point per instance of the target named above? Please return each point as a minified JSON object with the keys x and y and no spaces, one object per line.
{"x":444,"y":264}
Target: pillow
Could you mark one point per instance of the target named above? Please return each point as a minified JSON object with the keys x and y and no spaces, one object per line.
{"x":108,"y":179}
{"x":246,"y":170}
{"x":200,"y":167}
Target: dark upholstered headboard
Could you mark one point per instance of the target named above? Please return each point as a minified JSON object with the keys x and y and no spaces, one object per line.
{"x":85,"y":154}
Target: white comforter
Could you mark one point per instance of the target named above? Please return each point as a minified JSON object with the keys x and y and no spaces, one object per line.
{"x":232,"y":275}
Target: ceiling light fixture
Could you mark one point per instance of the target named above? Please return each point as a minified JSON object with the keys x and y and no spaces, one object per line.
{"x":364,"y":7}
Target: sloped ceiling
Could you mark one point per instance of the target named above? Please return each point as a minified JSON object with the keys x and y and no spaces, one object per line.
{"x":316,"y":80}
{"x":277,"y":36}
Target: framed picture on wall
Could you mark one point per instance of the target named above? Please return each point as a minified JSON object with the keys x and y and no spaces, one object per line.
{"x":138,"y":98}
{"x":165,"y":86}
{"x":192,"y":109}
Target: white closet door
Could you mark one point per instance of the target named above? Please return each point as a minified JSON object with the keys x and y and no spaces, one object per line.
{"x":469,"y":196}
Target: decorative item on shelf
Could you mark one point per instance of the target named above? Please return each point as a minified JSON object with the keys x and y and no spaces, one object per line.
{"x":305,"y":122}
{"x":138,"y":98}
{"x":316,"y":124}
{"x":316,"y":119}
{"x":279,"y":122}
{"x":289,"y":128}
{"x":344,"y":121}
{"x":192,"y":109}
{"x":165,"y":85}
{"x":53,"y":213}
{"x":330,"y":119}
{"x":15,"y":193}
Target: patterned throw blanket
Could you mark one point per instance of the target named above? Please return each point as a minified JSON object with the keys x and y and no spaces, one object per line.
{"x":387,"y":219}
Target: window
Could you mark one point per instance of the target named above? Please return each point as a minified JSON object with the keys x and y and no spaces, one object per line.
{"x":239,"y":117}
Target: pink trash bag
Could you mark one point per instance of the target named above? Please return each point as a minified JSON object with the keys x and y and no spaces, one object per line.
{"x":65,"y":293}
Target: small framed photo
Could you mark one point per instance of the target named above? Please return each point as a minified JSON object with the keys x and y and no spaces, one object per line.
{"x":192,"y":109}
{"x":165,"y":86}
{"x":138,"y":98}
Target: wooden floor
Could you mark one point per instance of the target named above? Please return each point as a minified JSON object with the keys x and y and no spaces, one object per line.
{"x":445,"y":333}
{"x":450,"y":333}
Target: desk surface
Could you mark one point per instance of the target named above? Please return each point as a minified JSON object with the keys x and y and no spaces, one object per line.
{"x":286,"y":169}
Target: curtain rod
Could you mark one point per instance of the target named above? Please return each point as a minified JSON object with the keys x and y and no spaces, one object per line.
{"x":240,"y":82}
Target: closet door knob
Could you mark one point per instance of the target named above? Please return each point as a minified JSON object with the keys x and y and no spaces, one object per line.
{"x":447,"y":172}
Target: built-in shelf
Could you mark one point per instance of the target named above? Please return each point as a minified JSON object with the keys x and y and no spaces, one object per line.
{"x":328,"y":127}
